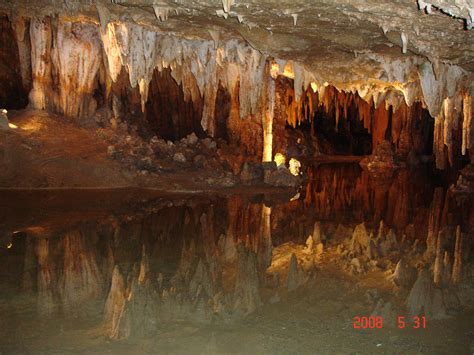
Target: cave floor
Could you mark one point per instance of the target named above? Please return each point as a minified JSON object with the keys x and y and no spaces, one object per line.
{"x":49,"y":151}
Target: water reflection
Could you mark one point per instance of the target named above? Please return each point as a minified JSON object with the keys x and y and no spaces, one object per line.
{"x":218,"y":259}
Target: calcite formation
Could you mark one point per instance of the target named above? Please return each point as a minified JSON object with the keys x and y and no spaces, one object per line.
{"x":79,"y":53}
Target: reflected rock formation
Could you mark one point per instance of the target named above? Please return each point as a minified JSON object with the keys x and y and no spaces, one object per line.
{"x":219,"y":260}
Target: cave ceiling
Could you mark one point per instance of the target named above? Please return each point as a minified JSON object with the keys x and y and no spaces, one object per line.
{"x":347,"y":40}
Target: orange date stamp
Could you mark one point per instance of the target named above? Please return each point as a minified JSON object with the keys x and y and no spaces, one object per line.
{"x":377,"y":322}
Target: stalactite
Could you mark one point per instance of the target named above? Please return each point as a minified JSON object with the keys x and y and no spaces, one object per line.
{"x":467,"y":138}
{"x":438,"y":143}
{"x":71,"y":54}
{"x":41,"y":38}
{"x":76,"y":57}
{"x":267,"y":117}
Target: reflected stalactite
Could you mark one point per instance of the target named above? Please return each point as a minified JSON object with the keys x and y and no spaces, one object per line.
{"x":220,"y":260}
{"x":81,"y":280}
{"x":45,"y":279}
{"x":265,"y":246}
{"x":457,"y":265}
{"x":28,"y":281}
{"x":246,"y":293}
{"x":114,"y":305}
{"x":434,"y":221}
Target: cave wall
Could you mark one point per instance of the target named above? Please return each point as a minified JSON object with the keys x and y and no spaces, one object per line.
{"x":78,"y":66}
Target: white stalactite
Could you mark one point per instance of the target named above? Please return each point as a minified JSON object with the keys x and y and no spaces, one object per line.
{"x":267,"y":119}
{"x":161,"y":12}
{"x":404,"y":42}
{"x":40,"y":35}
{"x":76,"y":57}
{"x":200,"y":66}
{"x":467,"y":138}
{"x":226,"y":4}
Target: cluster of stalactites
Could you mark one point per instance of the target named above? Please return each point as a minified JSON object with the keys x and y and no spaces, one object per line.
{"x":442,"y":94}
{"x":456,"y":114}
{"x":67,"y":55}
{"x":70,"y":54}
{"x":199,"y":66}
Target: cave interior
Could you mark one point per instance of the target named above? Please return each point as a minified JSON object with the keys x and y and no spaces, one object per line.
{"x":236,"y":176}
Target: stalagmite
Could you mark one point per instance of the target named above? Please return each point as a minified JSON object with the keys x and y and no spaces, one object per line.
{"x":457,"y":265}
{"x":293,"y":282}
{"x":360,"y":239}
{"x":317,"y":235}
{"x":404,"y":274}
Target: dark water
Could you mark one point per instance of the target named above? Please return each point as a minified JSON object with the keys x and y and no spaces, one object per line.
{"x":126,"y":271}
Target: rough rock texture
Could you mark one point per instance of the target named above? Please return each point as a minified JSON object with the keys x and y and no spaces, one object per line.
{"x":107,"y":52}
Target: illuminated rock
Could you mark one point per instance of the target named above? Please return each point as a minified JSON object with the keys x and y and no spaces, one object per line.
{"x":279,"y":159}
{"x":295,"y":167}
{"x":3,"y":120}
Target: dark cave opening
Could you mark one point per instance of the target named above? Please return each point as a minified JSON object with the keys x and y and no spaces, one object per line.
{"x":170,"y":116}
{"x":339,"y":123}
{"x":13,"y":94}
{"x":346,"y":137}
{"x":223,"y":106}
